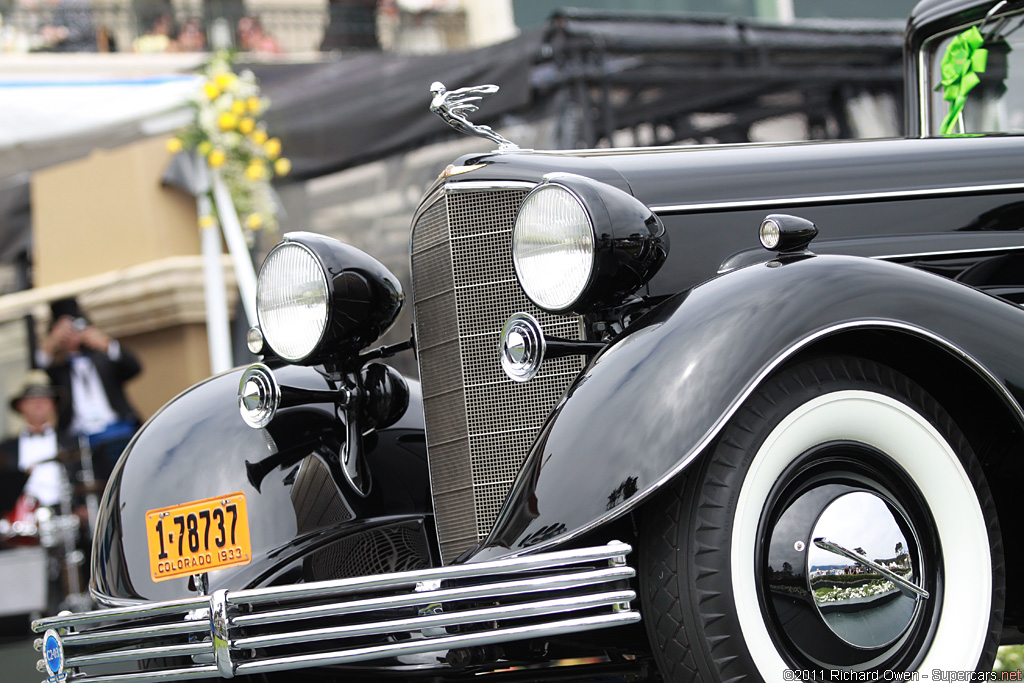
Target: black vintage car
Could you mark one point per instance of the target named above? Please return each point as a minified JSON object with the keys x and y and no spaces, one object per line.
{"x":742,"y":412}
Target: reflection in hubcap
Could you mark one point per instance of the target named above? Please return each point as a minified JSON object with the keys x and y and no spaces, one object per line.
{"x":860,"y":571}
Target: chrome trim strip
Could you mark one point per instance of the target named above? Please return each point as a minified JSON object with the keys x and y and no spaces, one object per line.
{"x":490,"y":283}
{"x":779,"y":359}
{"x":781,"y":202}
{"x":476,"y":236}
{"x":140,"y":653}
{"x":133,"y":633}
{"x":410,"y":579}
{"x":113,"y":603}
{"x":164,"y":675}
{"x":136,"y":612}
{"x":533,"y":585}
{"x":924,"y":97}
{"x":439,"y":620}
{"x":500,"y":635}
{"x":838,"y":250}
{"x":468,"y":185}
{"x":950,"y":252}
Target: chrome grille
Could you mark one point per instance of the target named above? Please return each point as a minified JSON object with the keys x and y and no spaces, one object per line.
{"x":480,"y":424}
{"x":346,"y":621}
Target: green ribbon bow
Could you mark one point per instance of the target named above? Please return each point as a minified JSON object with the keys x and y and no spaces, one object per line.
{"x":963,"y":61}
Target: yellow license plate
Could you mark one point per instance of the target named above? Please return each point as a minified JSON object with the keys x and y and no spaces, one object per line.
{"x":197,"y":537}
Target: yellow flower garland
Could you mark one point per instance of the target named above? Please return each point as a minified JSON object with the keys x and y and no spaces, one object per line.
{"x":228,"y":131}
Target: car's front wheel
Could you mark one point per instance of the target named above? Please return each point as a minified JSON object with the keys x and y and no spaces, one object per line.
{"x":840,"y":523}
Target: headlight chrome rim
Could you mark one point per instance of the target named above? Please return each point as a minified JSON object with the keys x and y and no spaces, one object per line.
{"x":272,"y":330}
{"x":527,"y":273}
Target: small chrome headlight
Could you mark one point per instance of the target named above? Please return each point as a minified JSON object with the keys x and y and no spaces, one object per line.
{"x":291,"y":301}
{"x":254,"y":339}
{"x":553,"y":247}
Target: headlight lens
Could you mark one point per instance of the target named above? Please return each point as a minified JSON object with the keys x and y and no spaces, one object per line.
{"x":291,"y":301}
{"x":553,"y":247}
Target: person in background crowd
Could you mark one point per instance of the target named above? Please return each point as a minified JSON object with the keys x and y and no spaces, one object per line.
{"x":92,"y":368}
{"x":34,"y":450}
{"x":252,"y":38}
{"x":352,"y":26}
{"x":191,"y":37}
{"x":159,"y":37}
{"x":47,"y":464}
{"x":71,"y":29}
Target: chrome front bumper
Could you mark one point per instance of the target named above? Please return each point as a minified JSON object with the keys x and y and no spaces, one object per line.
{"x":345,"y":621}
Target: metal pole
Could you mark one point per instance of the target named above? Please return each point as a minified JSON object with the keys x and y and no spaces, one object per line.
{"x":786,"y":10}
{"x":217,"y":325}
{"x":89,"y":484}
{"x":244,"y":271}
{"x":67,"y":529}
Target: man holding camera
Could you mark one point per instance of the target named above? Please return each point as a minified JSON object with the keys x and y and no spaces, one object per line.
{"x":92,"y":368}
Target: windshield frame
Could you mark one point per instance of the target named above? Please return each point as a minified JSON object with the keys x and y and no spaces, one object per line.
{"x":927,"y":57}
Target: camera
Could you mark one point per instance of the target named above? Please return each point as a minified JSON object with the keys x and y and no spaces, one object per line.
{"x":79,"y":324}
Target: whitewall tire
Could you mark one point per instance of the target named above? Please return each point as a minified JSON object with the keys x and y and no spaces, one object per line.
{"x":717,"y":605}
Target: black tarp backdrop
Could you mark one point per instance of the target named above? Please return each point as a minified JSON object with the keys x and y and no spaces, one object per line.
{"x":596,"y":73}
{"x":338,"y":114}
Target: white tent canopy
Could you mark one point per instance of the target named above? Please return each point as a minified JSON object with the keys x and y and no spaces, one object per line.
{"x":48,"y":118}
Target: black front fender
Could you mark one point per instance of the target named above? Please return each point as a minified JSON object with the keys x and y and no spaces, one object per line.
{"x":198,"y":447}
{"x":649,"y":404}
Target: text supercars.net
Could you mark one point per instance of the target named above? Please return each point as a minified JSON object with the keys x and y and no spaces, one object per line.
{"x":933,"y":675}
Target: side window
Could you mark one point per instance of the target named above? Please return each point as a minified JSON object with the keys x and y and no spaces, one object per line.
{"x":996,"y":103}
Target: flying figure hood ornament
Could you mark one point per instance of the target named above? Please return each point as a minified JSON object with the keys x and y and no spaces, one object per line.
{"x":453,"y":105}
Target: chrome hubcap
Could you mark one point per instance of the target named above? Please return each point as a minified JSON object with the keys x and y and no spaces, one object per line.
{"x":860,"y":573}
{"x":849,"y":574}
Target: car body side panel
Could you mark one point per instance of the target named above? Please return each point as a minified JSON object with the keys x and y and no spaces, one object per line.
{"x":651,"y":402}
{"x":936,"y":195}
{"x":198,"y":447}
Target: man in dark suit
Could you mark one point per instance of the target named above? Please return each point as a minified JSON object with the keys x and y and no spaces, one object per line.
{"x":92,"y":368}
{"x":42,"y":466}
{"x":29,"y":459}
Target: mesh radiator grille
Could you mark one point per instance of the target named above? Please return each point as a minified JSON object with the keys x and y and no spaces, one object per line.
{"x":480,"y":423}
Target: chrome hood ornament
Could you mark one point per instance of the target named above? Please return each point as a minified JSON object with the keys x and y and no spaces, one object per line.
{"x":453,"y":105}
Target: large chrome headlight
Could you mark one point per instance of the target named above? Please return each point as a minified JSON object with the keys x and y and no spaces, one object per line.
{"x":580,"y":245}
{"x":553,"y":247}
{"x":318,"y":299}
{"x":291,"y":301}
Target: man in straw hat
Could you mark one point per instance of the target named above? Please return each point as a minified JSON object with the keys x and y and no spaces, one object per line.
{"x":37,"y":454}
{"x":34,"y":451}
